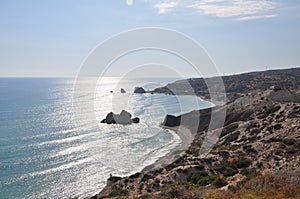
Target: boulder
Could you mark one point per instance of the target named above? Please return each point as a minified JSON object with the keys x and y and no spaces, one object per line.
{"x":123,"y":118}
{"x":136,"y":120}
{"x":139,"y":90}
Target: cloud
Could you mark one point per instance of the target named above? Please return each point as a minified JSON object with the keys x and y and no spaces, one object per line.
{"x":233,"y":8}
{"x":255,"y":17}
{"x":165,"y":7}
{"x":237,"y":9}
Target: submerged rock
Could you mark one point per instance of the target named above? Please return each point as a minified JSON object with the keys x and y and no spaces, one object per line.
{"x":123,"y":118}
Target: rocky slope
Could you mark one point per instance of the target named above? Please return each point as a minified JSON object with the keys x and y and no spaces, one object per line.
{"x":237,"y":85}
{"x":260,"y":137}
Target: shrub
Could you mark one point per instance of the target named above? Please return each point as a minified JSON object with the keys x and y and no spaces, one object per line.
{"x":269,"y":111}
{"x":229,"y":129}
{"x":289,"y":141}
{"x":219,"y":182}
{"x":260,"y":187}
{"x":249,"y":150}
{"x":229,"y":171}
{"x":192,"y":151}
{"x":203,"y":181}
{"x":118,"y":192}
{"x":273,"y":139}
{"x":242,"y":162}
{"x":291,"y":151}
{"x":232,"y":137}
{"x":277,"y":126}
{"x":196,"y":176}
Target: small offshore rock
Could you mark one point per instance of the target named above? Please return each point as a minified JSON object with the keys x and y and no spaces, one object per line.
{"x":136,"y":120}
{"x":139,"y":90}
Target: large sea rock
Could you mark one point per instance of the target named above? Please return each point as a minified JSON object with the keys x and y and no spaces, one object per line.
{"x":123,"y":118}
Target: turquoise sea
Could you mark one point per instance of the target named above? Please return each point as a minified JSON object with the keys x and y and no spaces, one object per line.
{"x":48,"y":150}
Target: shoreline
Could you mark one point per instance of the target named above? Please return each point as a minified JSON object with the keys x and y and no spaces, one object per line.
{"x":174,"y":153}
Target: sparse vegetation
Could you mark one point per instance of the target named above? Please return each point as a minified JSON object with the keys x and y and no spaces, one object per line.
{"x":219,"y":182}
{"x":229,"y":129}
{"x":232,"y":137}
{"x":196,"y":177}
{"x":118,"y":192}
{"x":269,"y":111}
{"x":242,"y":162}
{"x":266,"y":141}
{"x":277,"y":127}
{"x":203,"y":181}
{"x":227,"y":170}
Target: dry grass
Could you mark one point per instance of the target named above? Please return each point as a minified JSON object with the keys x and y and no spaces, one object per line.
{"x":259,"y":187}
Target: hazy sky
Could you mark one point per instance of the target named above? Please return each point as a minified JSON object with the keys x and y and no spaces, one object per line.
{"x":53,"y":37}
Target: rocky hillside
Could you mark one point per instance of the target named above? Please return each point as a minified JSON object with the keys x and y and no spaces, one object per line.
{"x":257,"y":154}
{"x":238,"y":85}
{"x":261,"y":137}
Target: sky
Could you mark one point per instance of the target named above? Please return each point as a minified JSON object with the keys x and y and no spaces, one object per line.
{"x":52,"y":38}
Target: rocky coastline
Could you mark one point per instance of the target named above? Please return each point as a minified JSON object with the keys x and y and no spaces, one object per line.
{"x":259,"y":143}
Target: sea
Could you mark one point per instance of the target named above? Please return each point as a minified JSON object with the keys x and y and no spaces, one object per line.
{"x":52,"y":144}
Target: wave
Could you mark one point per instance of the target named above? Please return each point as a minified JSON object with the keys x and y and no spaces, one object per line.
{"x":51,"y":170}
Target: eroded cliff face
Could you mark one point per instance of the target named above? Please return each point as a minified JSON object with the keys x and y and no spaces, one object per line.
{"x":261,"y":134}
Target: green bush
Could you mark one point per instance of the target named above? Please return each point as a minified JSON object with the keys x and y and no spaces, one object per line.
{"x":242,"y":163}
{"x":203,"y":181}
{"x":229,"y":129}
{"x":227,"y":171}
{"x":196,"y":176}
{"x":288,"y":141}
{"x":192,"y":151}
{"x":219,"y":182}
{"x":277,"y":126}
{"x":232,"y":137}
{"x":118,"y":192}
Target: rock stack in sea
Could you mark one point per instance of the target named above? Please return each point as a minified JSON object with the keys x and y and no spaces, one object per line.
{"x":123,"y":118}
